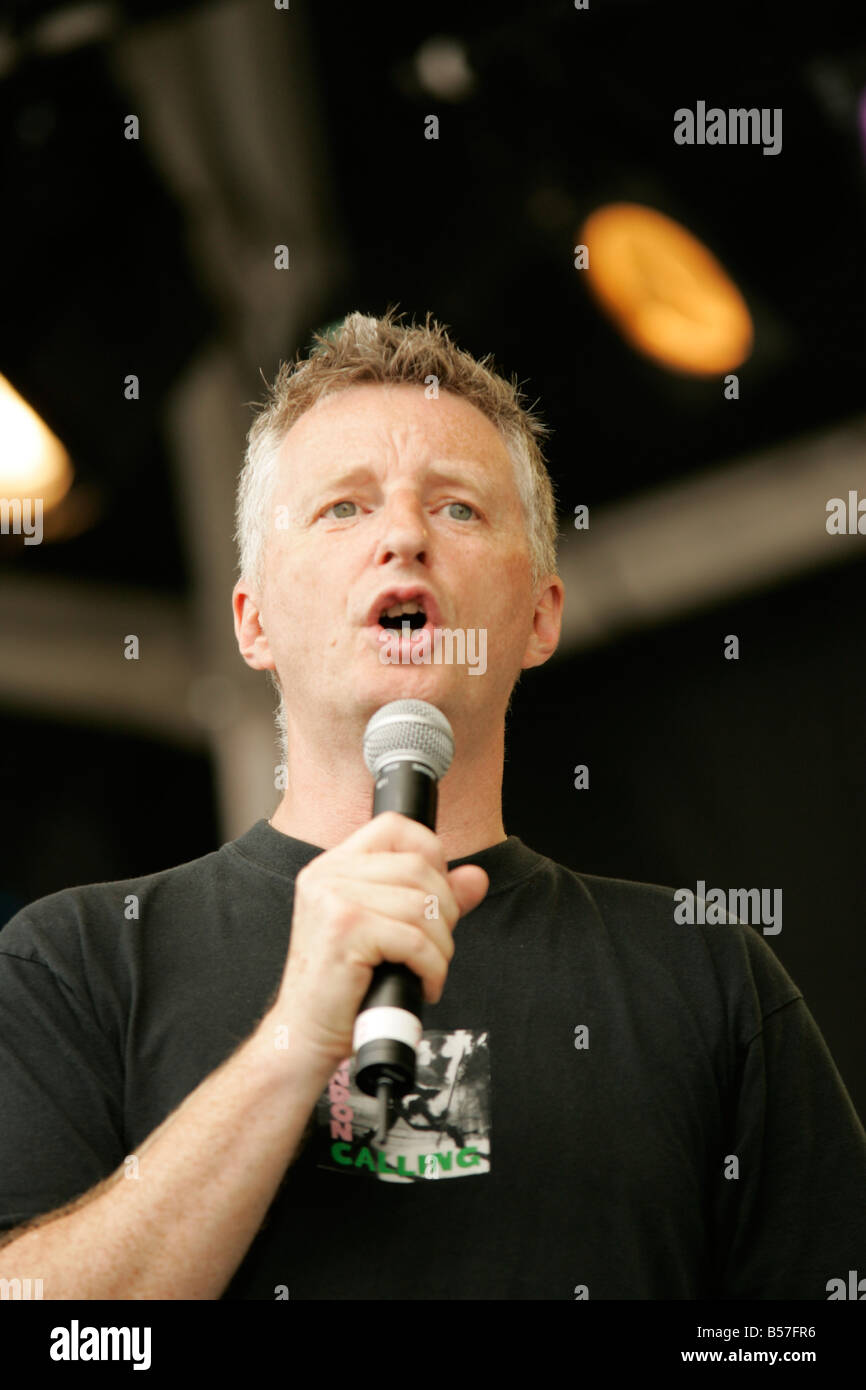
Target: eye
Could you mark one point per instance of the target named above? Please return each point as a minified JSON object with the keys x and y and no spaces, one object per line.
{"x":344,"y":503}
{"x":466,"y":507}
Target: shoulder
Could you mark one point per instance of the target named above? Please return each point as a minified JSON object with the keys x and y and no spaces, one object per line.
{"x":64,"y":925}
{"x":725,"y":956}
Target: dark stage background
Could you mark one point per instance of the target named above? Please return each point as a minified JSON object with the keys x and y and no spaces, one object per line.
{"x":155,"y":257}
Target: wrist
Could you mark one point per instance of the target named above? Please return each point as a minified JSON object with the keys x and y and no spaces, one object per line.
{"x":290,"y":1057}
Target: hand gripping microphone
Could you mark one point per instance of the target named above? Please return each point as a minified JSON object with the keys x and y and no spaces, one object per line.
{"x":408,"y":746}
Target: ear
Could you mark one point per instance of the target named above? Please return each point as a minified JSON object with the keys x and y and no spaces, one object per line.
{"x":250,"y":634}
{"x":547,"y":622}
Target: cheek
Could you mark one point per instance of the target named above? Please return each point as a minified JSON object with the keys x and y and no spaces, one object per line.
{"x":510,"y":599}
{"x":509,"y":580}
{"x":287,"y":620}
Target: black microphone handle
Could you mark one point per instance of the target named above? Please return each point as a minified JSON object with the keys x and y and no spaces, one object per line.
{"x":410,"y":788}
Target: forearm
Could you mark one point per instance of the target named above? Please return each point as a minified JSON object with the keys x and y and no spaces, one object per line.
{"x":206,"y":1178}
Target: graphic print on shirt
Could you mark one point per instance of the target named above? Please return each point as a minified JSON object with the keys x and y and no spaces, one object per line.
{"x":440,"y":1129}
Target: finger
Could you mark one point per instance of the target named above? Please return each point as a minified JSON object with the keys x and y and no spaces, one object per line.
{"x":385,"y":939}
{"x":401,"y":904}
{"x":469,"y":884}
{"x":391,"y":831}
{"x":408,"y":869}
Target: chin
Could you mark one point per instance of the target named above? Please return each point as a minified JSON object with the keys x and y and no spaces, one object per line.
{"x":410,"y":683}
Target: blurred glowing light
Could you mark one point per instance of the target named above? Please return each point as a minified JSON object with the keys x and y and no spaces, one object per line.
{"x":33,"y":462}
{"x":443,"y":69}
{"x":668,"y":295}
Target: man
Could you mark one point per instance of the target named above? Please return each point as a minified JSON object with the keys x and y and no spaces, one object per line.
{"x":609,"y":1105}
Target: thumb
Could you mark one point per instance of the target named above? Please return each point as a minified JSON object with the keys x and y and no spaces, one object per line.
{"x":469,"y":884}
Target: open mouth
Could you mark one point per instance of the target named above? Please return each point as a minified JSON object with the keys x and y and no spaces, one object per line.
{"x":406,"y":610}
{"x":395,"y":618}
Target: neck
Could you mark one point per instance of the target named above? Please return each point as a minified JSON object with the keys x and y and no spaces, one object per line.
{"x":329,"y":794}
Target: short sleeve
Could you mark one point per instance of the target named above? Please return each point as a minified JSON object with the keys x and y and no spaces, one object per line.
{"x":791,"y":1214}
{"x":61,"y":1086}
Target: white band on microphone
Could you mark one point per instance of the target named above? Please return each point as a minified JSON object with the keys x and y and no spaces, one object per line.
{"x":385,"y":1022}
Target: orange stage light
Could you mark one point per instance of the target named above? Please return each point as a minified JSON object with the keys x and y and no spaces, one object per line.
{"x":668,"y":295}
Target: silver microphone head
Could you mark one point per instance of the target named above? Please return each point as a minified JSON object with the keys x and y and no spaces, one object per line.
{"x":412,"y":730}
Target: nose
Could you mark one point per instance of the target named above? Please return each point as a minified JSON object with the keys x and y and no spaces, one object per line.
{"x":404,"y":535}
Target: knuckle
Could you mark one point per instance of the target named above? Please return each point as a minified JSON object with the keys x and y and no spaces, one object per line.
{"x":418,"y":938}
{"x":417,"y":864}
{"x":309,"y":880}
{"x":339,"y":912}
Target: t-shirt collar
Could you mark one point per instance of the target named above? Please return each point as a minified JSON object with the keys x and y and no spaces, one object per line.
{"x":505,"y":863}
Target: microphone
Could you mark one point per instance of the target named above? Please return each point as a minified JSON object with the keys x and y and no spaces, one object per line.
{"x":408,"y":747}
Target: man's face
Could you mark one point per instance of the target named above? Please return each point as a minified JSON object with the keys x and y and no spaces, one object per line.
{"x":381,"y":489}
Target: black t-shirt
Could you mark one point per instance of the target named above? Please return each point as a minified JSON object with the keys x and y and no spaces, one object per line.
{"x":608,"y":1104}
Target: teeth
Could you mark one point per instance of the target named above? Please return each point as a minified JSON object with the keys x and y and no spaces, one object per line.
{"x":399,"y":608}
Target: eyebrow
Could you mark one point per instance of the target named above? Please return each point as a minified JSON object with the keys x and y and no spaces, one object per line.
{"x":458,"y":474}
